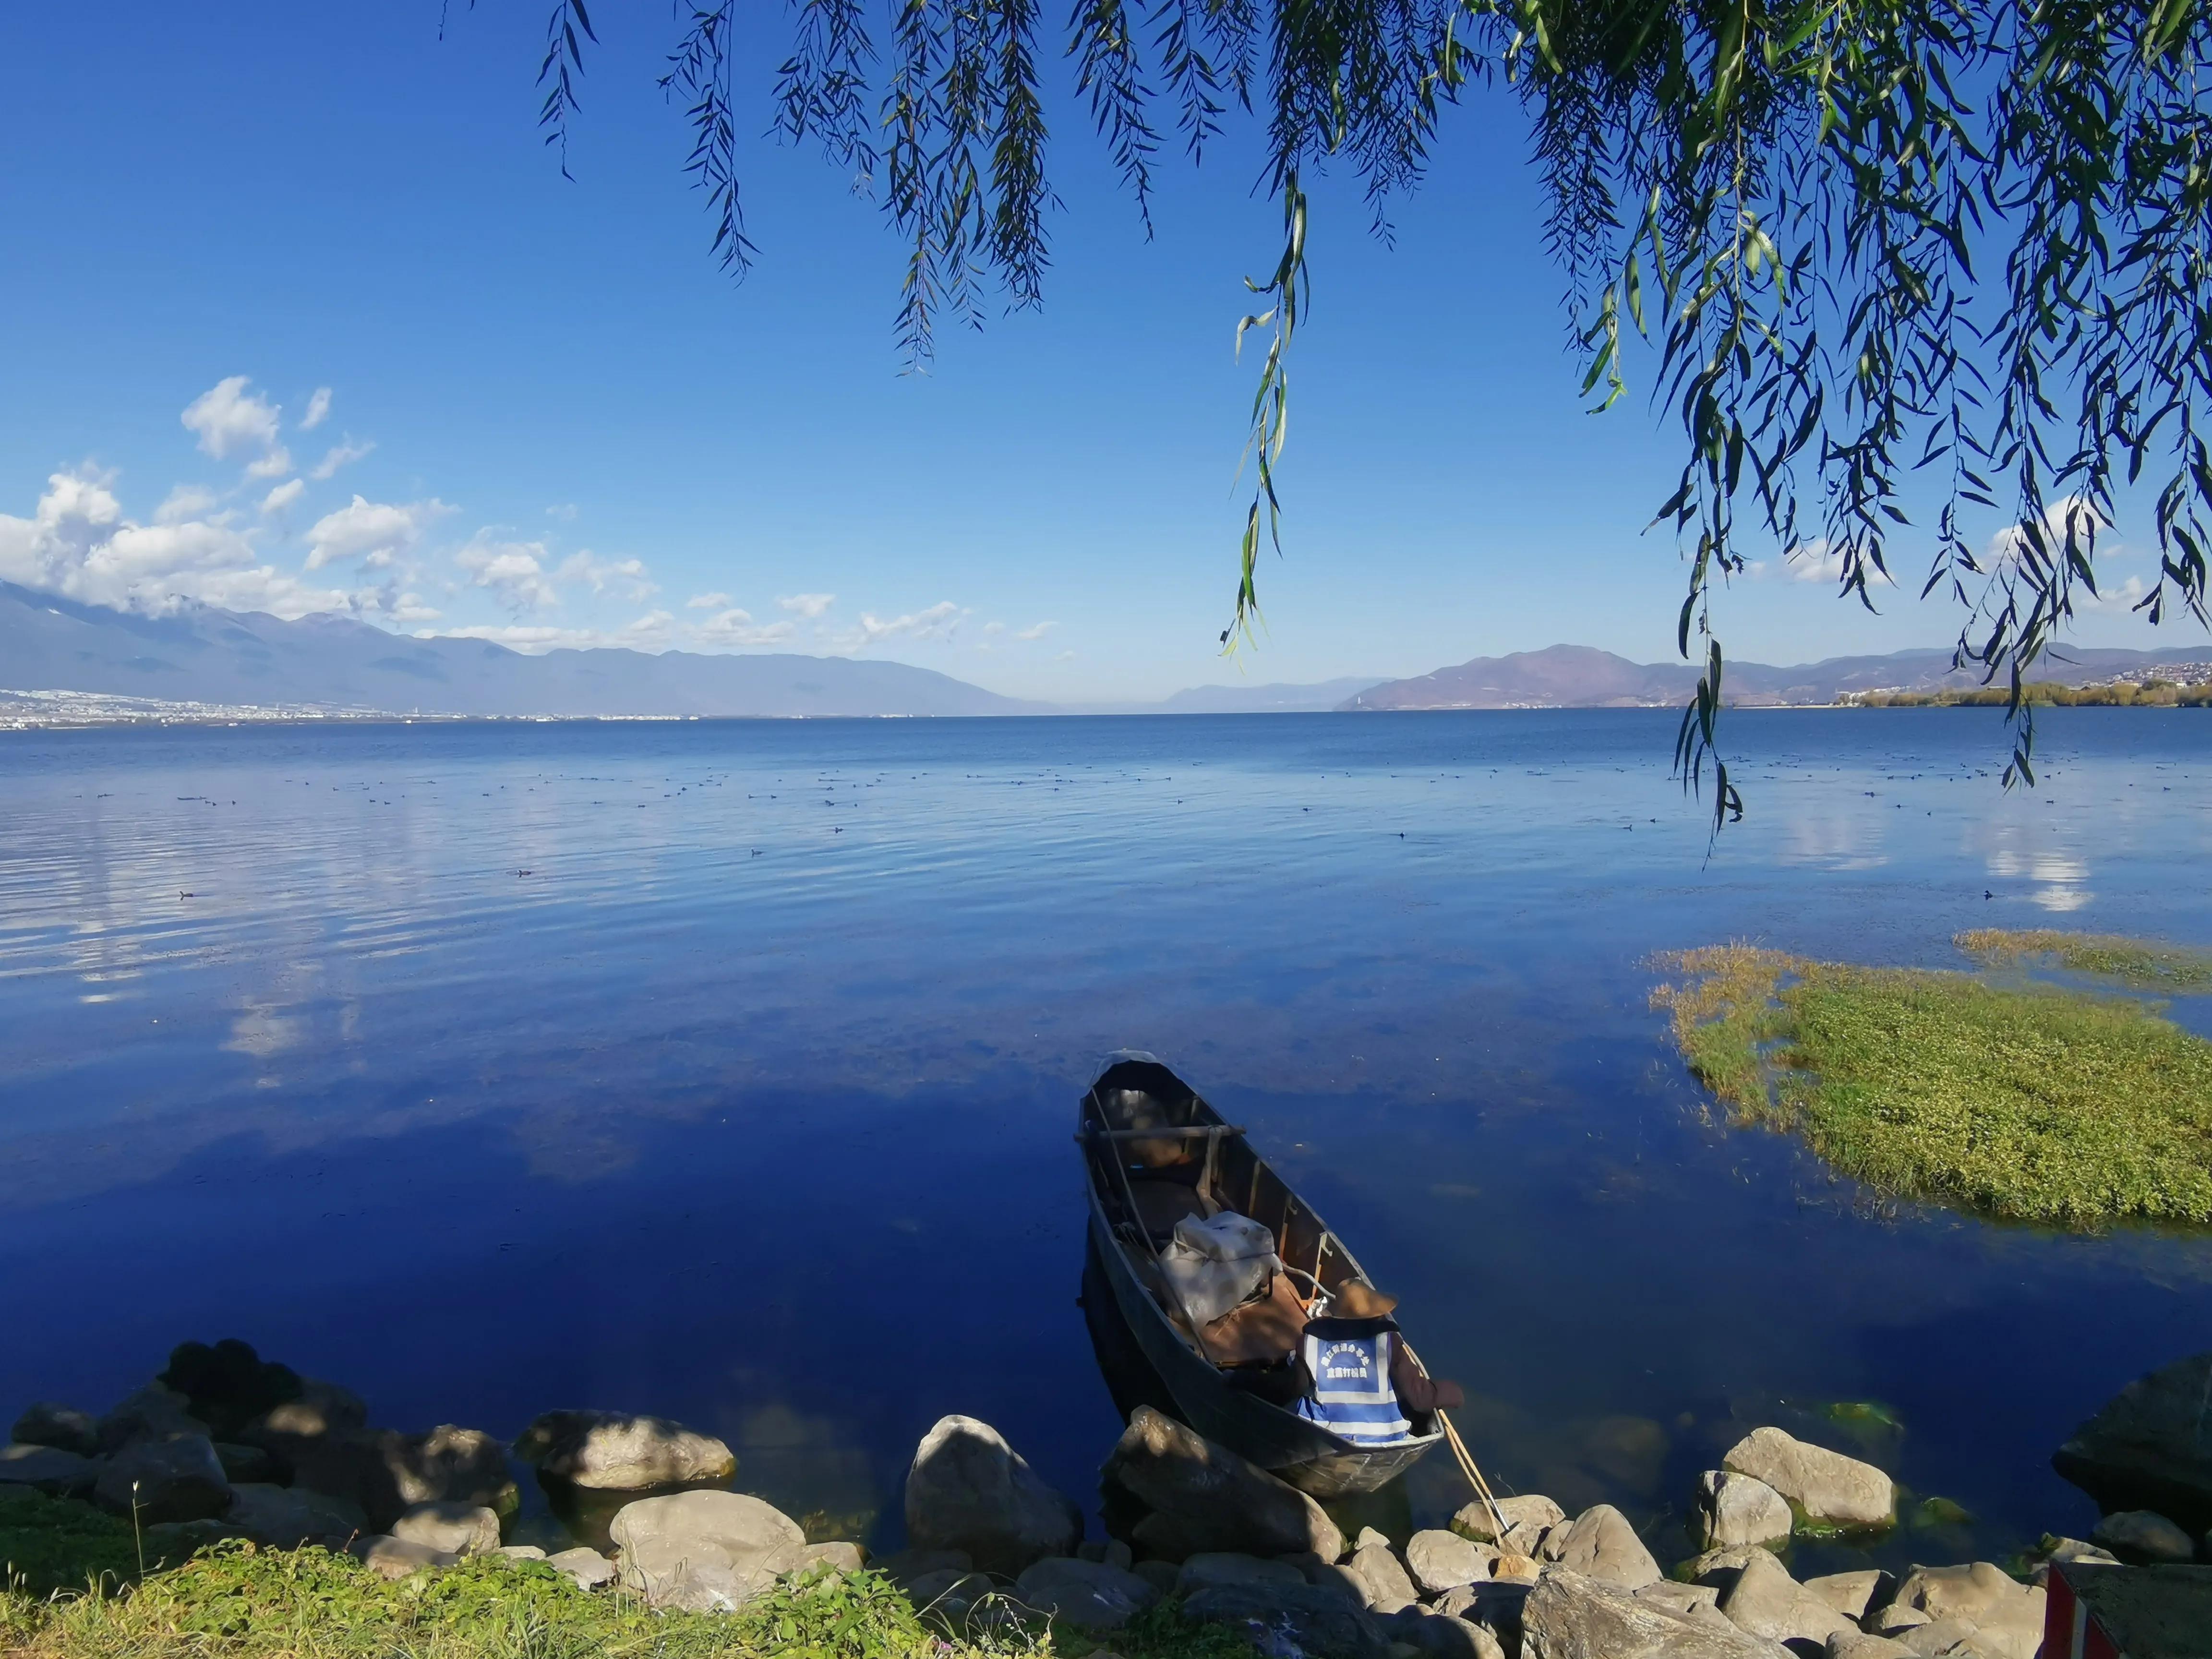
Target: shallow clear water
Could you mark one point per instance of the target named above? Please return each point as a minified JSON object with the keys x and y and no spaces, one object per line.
{"x":728,"y":1070}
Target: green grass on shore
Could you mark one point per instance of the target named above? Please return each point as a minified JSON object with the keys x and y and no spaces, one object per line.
{"x":2034,"y":1103}
{"x":235,"y":1601}
{"x":2130,"y":961}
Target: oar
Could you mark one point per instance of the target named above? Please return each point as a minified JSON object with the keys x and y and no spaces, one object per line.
{"x":1467,"y":1464}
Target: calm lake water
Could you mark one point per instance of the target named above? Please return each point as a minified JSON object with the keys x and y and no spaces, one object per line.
{"x":728,"y":1070}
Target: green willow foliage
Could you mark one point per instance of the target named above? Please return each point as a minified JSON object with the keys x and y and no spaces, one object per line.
{"x":1866,"y":238}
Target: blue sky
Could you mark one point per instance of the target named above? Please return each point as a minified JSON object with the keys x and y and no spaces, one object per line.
{"x":302,"y":314}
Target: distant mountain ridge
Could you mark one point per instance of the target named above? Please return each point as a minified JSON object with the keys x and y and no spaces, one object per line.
{"x":1581,"y":677}
{"x":205,"y":654}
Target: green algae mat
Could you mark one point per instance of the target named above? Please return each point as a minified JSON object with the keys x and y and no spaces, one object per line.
{"x":2023,"y":1100}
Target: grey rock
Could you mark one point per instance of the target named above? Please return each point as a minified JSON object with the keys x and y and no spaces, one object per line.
{"x":1318,"y":1621}
{"x":1088,"y":1594}
{"x":1683,"y":1601}
{"x":587,"y":1567}
{"x":178,"y":1477}
{"x":903,"y":1566}
{"x":456,"y":1529}
{"x":1337,"y":1579}
{"x":1118,"y":1555}
{"x":170,"y":1543}
{"x":704,"y":1551}
{"x":1741,"y":1509}
{"x":1473,"y":1520}
{"x":1382,"y":1577}
{"x":394,"y":1557}
{"x":522,"y":1552}
{"x":2147,"y":1448}
{"x":1601,"y":1545}
{"x":285,"y":1517}
{"x":1894,"y":1619}
{"x":968,"y":1490}
{"x":1942,"y":1635}
{"x":50,"y":1469}
{"x":2008,"y":1615}
{"x":1371,"y":1535}
{"x":1208,"y":1498}
{"x":1442,"y":1637}
{"x":1162,"y":1576}
{"x":250,"y":1465}
{"x":322,"y":1408}
{"x":1857,"y":1644}
{"x":63,"y":1427}
{"x":387,"y":1473}
{"x":154,"y":1412}
{"x":1526,"y":1538}
{"x":949,"y":1591}
{"x":1568,"y":1616}
{"x":1444,"y":1560}
{"x":1720,"y":1568}
{"x":839,"y":1556}
{"x":617,"y":1451}
{"x":1826,"y":1484}
{"x":1854,"y":1595}
{"x":2145,"y":1536}
{"x":1765,"y":1600}
{"x":1225,"y":1567}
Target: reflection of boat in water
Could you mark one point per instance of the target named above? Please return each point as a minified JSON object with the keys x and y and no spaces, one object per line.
{"x":1157,"y":1154}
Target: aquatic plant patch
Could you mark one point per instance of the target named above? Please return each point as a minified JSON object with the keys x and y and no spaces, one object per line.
{"x":2031,"y":1102}
{"x":2131,"y":961}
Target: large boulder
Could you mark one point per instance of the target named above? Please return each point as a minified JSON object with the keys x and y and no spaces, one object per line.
{"x":968,"y":1490}
{"x":2149,"y":1448}
{"x":148,"y":1413}
{"x":285,"y":1517}
{"x":1227,"y":1567}
{"x":1205,"y":1498}
{"x":2006,"y":1616}
{"x":1377,"y":1567}
{"x":1088,"y":1594}
{"x":1739,"y":1508}
{"x":1442,"y":1637}
{"x":62,"y":1427}
{"x":705,"y":1551}
{"x":1444,"y":1560}
{"x":1765,"y":1600}
{"x":2143,"y":1536}
{"x":1826,"y":1486}
{"x":177,"y":1478}
{"x":48,"y":1469}
{"x":1316,"y":1622}
{"x":387,"y":1473}
{"x":1601,"y":1545}
{"x":1473,"y":1520}
{"x":1568,"y":1616}
{"x":456,"y":1529}
{"x":617,"y":1451}
{"x":395,"y":1558}
{"x":586,"y":1567}
{"x":1854,"y":1595}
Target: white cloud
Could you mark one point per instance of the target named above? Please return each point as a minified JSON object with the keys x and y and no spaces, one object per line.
{"x":1815,"y":561}
{"x":377,"y":533}
{"x":2072,"y":512}
{"x":994,"y":628}
{"x":2122,"y":598}
{"x":274,"y":465}
{"x":564,"y":511}
{"x":629,"y":574}
{"x":342,"y":454}
{"x":1065,"y":656}
{"x":78,"y":543}
{"x":186,"y":501}
{"x":735,"y":629}
{"x":936,"y":623}
{"x":514,"y":572}
{"x":650,"y":632}
{"x":809,"y":606}
{"x":228,"y":418}
{"x":318,"y":409}
{"x":706,"y":601}
{"x":1037,"y":632}
{"x":283,"y":495}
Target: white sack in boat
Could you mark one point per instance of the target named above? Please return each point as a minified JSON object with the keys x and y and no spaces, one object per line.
{"x":1217,"y":1263}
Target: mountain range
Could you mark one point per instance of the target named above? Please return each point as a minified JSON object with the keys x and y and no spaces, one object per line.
{"x":202,"y":654}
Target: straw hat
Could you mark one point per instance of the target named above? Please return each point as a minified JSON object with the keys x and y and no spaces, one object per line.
{"x":1357,"y":1300}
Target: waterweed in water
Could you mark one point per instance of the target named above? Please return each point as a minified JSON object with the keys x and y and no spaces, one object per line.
{"x":2135,"y":962}
{"x":2029,"y":1102}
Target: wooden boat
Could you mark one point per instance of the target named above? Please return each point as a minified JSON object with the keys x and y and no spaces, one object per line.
{"x":1155,"y":1153}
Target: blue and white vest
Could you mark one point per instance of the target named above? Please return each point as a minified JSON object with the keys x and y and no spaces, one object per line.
{"x":1350,"y":1393}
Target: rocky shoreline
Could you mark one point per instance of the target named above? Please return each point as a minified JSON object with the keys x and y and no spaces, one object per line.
{"x":224,"y":1445}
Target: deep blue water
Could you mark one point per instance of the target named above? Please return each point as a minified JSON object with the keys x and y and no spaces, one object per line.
{"x":727,"y":1071}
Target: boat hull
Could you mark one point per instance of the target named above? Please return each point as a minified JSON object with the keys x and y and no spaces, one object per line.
{"x":1287,"y":1446}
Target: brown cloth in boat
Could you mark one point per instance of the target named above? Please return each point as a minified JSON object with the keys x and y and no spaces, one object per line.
{"x":1417,"y":1395}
